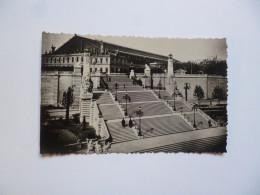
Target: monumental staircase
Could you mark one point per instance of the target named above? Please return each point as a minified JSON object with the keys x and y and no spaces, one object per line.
{"x":158,"y":119}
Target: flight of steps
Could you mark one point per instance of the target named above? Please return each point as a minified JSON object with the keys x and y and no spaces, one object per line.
{"x":119,"y":133}
{"x":85,"y":109}
{"x":209,"y":144}
{"x":163,"y":93}
{"x":110,"y":112}
{"x":142,"y":96}
{"x":125,"y":84}
{"x":201,"y":122}
{"x":163,"y":126}
{"x":103,"y":98}
{"x":149,"y":108}
{"x":180,"y":106}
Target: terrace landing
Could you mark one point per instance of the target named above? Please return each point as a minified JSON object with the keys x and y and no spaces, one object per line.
{"x":153,"y":142}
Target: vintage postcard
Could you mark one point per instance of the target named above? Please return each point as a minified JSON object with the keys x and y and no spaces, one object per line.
{"x":108,"y":94}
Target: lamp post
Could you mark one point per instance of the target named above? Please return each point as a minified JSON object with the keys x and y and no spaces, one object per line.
{"x":194,"y":108}
{"x":139,"y":113}
{"x":116,"y":88}
{"x":126,"y":98}
{"x":175,"y":93}
{"x":160,"y":87}
{"x":186,"y":87}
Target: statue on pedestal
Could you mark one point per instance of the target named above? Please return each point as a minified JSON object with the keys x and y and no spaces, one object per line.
{"x":87,"y":86}
{"x":147,"y":70}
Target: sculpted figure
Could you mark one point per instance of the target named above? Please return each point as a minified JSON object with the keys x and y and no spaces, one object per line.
{"x":147,"y":67}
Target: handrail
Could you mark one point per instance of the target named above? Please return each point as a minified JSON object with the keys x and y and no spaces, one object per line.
{"x":98,"y":122}
{"x":207,"y":117}
{"x":103,"y":83}
{"x":104,"y":129}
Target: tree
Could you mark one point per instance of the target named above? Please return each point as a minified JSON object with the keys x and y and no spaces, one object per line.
{"x":67,"y":101}
{"x":218,"y":93}
{"x":198,"y":93}
{"x":84,"y":123}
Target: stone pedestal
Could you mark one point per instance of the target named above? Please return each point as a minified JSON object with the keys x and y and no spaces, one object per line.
{"x":170,"y":72}
{"x":86,"y":64}
{"x":132,"y":74}
{"x":86,"y":95}
{"x":77,"y":79}
{"x":96,"y":79}
{"x":147,"y":70}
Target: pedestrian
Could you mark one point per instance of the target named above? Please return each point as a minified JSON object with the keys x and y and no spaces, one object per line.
{"x":209,"y":122}
{"x":130,"y":123}
{"x":123,"y":122}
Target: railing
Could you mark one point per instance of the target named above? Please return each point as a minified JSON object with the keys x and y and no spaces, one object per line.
{"x":185,"y":102}
{"x":104,"y":133}
{"x":98,"y":122}
{"x":89,"y":146}
{"x":213,"y":122}
{"x":114,"y":73}
{"x":187,"y":119}
{"x":207,"y":117}
{"x":155,"y":94}
{"x":103,"y":83}
{"x":121,"y":107}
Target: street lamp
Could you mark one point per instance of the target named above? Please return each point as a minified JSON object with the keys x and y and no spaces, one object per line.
{"x":186,"y":87}
{"x":126,"y":98}
{"x":194,"y":108}
{"x":139,"y":113}
{"x":175,"y":93}
{"x":160,"y":87}
{"x":116,"y":87}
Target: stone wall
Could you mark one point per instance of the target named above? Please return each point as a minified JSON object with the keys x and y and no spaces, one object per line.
{"x":49,"y":83}
{"x":207,"y":83}
{"x":54,"y":83}
{"x":155,"y":79}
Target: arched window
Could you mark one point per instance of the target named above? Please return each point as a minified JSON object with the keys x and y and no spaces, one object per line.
{"x":72,"y":59}
{"x":68,"y":59}
{"x":77,"y":59}
{"x":63,"y":60}
{"x":55,"y":60}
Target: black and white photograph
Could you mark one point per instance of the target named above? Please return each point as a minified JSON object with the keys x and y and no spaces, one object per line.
{"x":128,"y":97}
{"x":105,"y":94}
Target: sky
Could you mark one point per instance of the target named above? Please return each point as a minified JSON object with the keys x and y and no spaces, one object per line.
{"x":181,"y":49}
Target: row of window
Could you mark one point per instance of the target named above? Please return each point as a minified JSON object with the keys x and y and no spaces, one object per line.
{"x":74,"y":59}
{"x":77,"y":59}
{"x":62,"y":60}
{"x":105,"y":70}
{"x":102,"y":70}
{"x":101,"y":60}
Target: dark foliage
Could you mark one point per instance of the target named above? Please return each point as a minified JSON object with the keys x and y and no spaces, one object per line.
{"x":211,"y":67}
{"x":218,"y":93}
{"x":67,"y":101}
{"x":198,"y":93}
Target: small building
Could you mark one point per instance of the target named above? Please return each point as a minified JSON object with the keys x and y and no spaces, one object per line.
{"x":180,"y":71}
